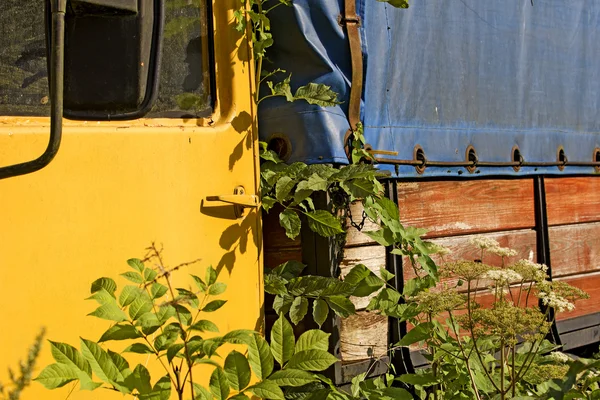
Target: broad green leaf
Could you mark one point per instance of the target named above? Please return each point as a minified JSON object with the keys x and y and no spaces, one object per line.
{"x":210,"y":346}
{"x":314,"y":183}
{"x":282,"y":304}
{"x":312,"y":360}
{"x":133,"y":277}
{"x":318,"y":93}
{"x":281,"y":88}
{"x":335,"y":287}
{"x":383,"y":236}
{"x":136,"y":264}
{"x":66,"y":354}
{"x":425,"y":379}
{"x":57,"y":375}
{"x":217,"y":288}
{"x":237,"y":370}
{"x":210,"y":275}
{"x":139,"y":379}
{"x":140,"y":306}
{"x":201,"y":392}
{"x":174,"y":350}
{"x":396,"y":394}
{"x":239,"y":336}
{"x":149,"y":323}
{"x":160,"y":391}
{"x":102,"y":296}
{"x":274,"y":284}
{"x":320,"y":311}
{"x":165,"y":312}
{"x":139,"y":348}
{"x":129,"y":294}
{"x":104,"y":283}
{"x":290,"y":221}
{"x":416,"y":334}
{"x":101,"y":363}
{"x":359,"y":188}
{"x":282,"y":340}
{"x":292,"y":377}
{"x":313,"y":339}
{"x":214,"y":305}
{"x":289,"y":270}
{"x":187,"y":297}
{"x":109,"y":311}
{"x":314,"y":285}
{"x":120,"y":332}
{"x":165,"y":339}
{"x":219,"y":386}
{"x":386,"y":275}
{"x":200,"y":283}
{"x":266,"y":390}
{"x":120,"y":362}
{"x":284,"y":186}
{"x":204,"y":326}
{"x":259,"y":356}
{"x":185,"y":314}
{"x":342,"y":306}
{"x":429,"y":266}
{"x":149,"y":275}
{"x":298,"y":310}
{"x":323,"y":223}
{"x":367,"y":286}
{"x":157,"y":290}
{"x":357,"y":274}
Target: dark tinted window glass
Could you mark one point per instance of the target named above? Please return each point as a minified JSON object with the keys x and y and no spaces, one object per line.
{"x":185,"y":72}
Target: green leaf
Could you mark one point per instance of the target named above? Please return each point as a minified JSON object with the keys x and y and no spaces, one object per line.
{"x":160,"y":391}
{"x":133,"y":277}
{"x":174,"y":350}
{"x":239,"y":336}
{"x":149,"y":275}
{"x":341,"y":305}
{"x":109,"y":311}
{"x":323,"y":223}
{"x":129,"y":294}
{"x":298,"y":310}
{"x":313,"y":339}
{"x":317,"y":93}
{"x":204,"y":326}
{"x":396,"y":3}
{"x":292,"y":377}
{"x":217,"y":288}
{"x":383,"y":236}
{"x":416,"y":334}
{"x":275,"y":284}
{"x":139,"y":348}
{"x":165,"y":339}
{"x":100,"y":362}
{"x":320,"y":311}
{"x":367,"y":286}
{"x":312,"y":360}
{"x":149,"y":323}
{"x":57,"y":375}
{"x":164,"y":313}
{"x":66,"y":354}
{"x":290,"y":221}
{"x":281,"y":88}
{"x":284,"y":186}
{"x":219,"y":386}
{"x":140,"y":306}
{"x":120,"y":362}
{"x":102,"y":297}
{"x":386,"y":275}
{"x":425,"y":379}
{"x":185,"y":314}
{"x":210,"y":275}
{"x":157,"y":290}
{"x":200,"y":283}
{"x":120,"y":332}
{"x":139,"y":379}
{"x":136,"y":264}
{"x":104,"y":283}
{"x":360,"y":188}
{"x":289,"y":270}
{"x":314,"y":183}
{"x":266,"y":390}
{"x":202,"y":393}
{"x":282,"y":340}
{"x":282,"y":304}
{"x":214,"y":305}
{"x":259,"y":356}
{"x":357,"y":274}
{"x":237,"y":370}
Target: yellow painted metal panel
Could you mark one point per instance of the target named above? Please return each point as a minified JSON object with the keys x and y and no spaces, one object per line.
{"x":114,"y":188}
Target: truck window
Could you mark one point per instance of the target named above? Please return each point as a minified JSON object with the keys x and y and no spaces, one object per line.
{"x":185,"y":74}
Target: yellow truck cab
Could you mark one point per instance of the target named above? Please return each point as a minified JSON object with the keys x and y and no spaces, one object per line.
{"x":124,"y":176}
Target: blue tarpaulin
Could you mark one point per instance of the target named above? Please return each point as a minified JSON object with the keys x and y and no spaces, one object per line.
{"x":445,"y":75}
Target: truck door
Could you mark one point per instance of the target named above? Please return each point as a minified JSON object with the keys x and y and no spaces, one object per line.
{"x":175,"y":177}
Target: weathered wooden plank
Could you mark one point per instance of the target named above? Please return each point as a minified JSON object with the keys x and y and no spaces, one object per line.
{"x":522,"y":241}
{"x":573,"y":200}
{"x":354,"y":237}
{"x":363,"y":336}
{"x":575,"y":249}
{"x":450,"y":208}
{"x":273,"y":258}
{"x":373,"y":257}
{"x":590,"y":283}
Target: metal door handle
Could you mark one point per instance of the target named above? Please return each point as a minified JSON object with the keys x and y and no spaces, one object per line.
{"x":239,"y":199}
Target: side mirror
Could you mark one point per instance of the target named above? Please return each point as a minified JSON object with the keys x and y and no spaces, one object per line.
{"x":103,"y":63}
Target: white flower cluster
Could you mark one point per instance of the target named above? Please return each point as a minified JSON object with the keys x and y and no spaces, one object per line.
{"x":502,"y":251}
{"x":503,"y":275}
{"x":559,"y":357}
{"x":539,"y":272}
{"x":483,"y":242}
{"x":438,"y":249}
{"x":555,"y":301}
